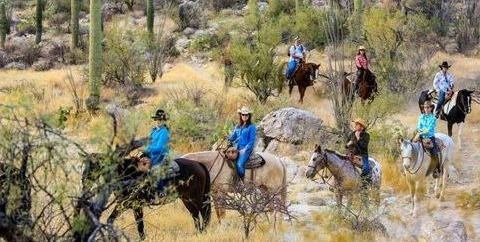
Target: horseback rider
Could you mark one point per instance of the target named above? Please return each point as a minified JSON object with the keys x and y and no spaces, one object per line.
{"x":358,"y":145}
{"x":361,"y":62}
{"x":442,"y":83}
{"x":426,"y":130}
{"x":244,"y":136}
{"x":298,"y":55}
{"x":158,"y":149}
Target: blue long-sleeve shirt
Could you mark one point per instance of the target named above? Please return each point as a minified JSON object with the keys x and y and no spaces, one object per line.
{"x":244,"y":137}
{"x":159,"y":145}
{"x":427,"y":122}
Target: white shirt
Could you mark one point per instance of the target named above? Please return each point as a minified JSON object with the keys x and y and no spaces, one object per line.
{"x":443,"y":82}
{"x":298,"y":51}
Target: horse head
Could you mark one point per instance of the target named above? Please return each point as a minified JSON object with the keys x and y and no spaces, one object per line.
{"x":317,"y":162}
{"x":407,"y":152}
{"x":464,"y":100}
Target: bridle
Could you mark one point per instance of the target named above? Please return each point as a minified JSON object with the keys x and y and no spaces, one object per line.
{"x":416,"y":161}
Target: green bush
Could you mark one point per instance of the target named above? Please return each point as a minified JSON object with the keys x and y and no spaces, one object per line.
{"x":203,"y":43}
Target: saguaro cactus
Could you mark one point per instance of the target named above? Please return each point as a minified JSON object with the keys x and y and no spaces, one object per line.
{"x":95,"y":55}
{"x":38,"y":22}
{"x":298,"y":5}
{"x":150,"y":16}
{"x":3,"y":24}
{"x":357,"y":5}
{"x":74,"y":9}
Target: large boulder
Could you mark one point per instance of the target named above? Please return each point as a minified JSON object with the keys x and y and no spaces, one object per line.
{"x":443,"y":230}
{"x":285,"y":130}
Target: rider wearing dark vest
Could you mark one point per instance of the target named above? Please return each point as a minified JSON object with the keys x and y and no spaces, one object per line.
{"x":358,"y":145}
{"x":361,"y":62}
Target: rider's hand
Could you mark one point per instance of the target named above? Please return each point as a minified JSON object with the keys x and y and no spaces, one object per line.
{"x":425,"y":131}
{"x":242,"y":151}
{"x":350,"y":143}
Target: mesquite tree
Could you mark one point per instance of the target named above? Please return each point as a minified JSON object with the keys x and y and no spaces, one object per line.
{"x":75,"y":9}
{"x":38,"y":21}
{"x":95,"y":55}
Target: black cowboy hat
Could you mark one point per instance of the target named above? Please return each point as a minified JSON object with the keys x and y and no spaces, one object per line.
{"x":160,"y":115}
{"x":445,"y":64}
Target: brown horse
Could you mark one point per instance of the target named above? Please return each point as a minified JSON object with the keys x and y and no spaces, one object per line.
{"x":367,"y":87}
{"x":303,"y":78}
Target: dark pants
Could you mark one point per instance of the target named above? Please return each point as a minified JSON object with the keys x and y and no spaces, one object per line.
{"x":366,"y":166}
{"x":441,"y":100}
{"x":359,"y":74}
{"x":434,"y":150}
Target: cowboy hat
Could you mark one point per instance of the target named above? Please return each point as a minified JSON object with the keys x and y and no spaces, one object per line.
{"x":428,"y":103}
{"x":445,"y":64}
{"x":361,"y":122}
{"x":160,"y":115}
{"x":244,"y":110}
{"x":296,"y":38}
{"x":361,"y":47}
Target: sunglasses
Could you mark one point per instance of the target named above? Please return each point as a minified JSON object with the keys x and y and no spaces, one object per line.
{"x":245,"y":115}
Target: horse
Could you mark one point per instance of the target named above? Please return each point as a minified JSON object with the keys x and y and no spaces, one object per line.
{"x":367,"y":86}
{"x":272,"y":176}
{"x":455,"y":110}
{"x":415,"y":166}
{"x":347,"y":88}
{"x":303,"y":78}
{"x":192,"y":185}
{"x":346,"y":175}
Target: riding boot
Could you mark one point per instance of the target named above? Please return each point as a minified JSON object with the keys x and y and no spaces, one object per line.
{"x":434,"y":161}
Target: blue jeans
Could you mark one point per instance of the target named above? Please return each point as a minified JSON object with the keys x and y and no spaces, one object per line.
{"x":366,"y":165}
{"x":291,"y":68}
{"x":441,"y":100}
{"x":435,"y":147}
{"x":242,"y":160}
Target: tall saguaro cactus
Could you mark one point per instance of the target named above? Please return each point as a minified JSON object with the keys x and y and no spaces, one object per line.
{"x":298,"y":5}
{"x":95,"y":55}
{"x":3,"y":24}
{"x":150,"y":16}
{"x":38,"y":21}
{"x":74,"y":9}
{"x":357,"y":5}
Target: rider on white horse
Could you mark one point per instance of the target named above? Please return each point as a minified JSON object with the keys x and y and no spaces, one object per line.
{"x":358,"y":145}
{"x":442,"y":83}
{"x":426,"y":129}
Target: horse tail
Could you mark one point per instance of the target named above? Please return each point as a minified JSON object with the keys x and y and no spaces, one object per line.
{"x":283,"y":193}
{"x":207,"y":204}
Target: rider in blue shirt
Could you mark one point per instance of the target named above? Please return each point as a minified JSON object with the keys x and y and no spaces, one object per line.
{"x":426,"y":128}
{"x":244,"y":136}
{"x":297,"y":55}
{"x":158,"y":149}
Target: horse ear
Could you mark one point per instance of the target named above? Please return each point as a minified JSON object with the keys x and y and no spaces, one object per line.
{"x":399,"y":140}
{"x":318,"y":148}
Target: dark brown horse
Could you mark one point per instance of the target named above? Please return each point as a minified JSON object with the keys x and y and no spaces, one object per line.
{"x":367,"y":87}
{"x":303,"y":78}
{"x":192,"y":186}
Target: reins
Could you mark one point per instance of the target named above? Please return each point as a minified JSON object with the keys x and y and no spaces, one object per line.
{"x":416,"y":161}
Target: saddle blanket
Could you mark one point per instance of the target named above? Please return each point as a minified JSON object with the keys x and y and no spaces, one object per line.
{"x":254,"y":161}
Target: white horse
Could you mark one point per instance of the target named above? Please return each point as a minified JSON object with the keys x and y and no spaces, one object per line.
{"x":416,"y":165}
{"x":272,"y":176}
{"x":347,"y":177}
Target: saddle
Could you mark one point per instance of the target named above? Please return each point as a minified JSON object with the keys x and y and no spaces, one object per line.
{"x":357,"y":161}
{"x":254,"y":161}
{"x":169,"y":170}
{"x":427,"y":144}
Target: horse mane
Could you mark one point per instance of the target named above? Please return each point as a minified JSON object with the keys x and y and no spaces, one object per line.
{"x":339,"y":155}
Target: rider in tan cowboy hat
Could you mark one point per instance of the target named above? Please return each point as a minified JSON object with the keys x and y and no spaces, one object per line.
{"x":358,"y":145}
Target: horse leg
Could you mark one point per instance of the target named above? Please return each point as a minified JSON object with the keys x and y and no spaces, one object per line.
{"x":290,"y":87}
{"x":339,"y":197}
{"x":194,"y":211}
{"x":415,"y":199}
{"x":220,"y":214}
{"x":301,"y":89}
{"x":411,"y":185}
{"x":138,"y":213}
{"x":450,"y":126}
{"x":459,"y":135}
{"x":444,"y":181}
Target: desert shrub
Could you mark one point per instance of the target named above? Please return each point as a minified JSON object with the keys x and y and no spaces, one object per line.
{"x":55,"y":51}
{"x":124,"y":58}
{"x":58,"y":20}
{"x":218,"y":5}
{"x":24,"y":51}
{"x":25,"y":27}
{"x":189,"y":14}
{"x":469,"y":199}
{"x":55,"y":7}
{"x":203,"y":42}
{"x":75,"y":56}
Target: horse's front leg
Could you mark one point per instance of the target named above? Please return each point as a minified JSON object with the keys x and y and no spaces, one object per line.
{"x":444,"y":181}
{"x":459,"y":134}
{"x":450,"y":127}
{"x":415,"y":199}
{"x":138,"y":213}
{"x":411,"y":185}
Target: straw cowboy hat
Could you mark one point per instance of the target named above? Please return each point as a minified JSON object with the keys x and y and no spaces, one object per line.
{"x":160,"y":115}
{"x":429,"y":104}
{"x":361,"y":47}
{"x":445,"y":64}
{"x":297,"y":38}
{"x":244,"y":110}
{"x":361,"y":122}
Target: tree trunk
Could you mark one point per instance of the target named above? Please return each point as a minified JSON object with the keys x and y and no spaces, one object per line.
{"x":150,"y":16}
{"x":3,"y":24}
{"x":75,"y":9}
{"x":95,"y":55}
{"x":38,"y":22}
